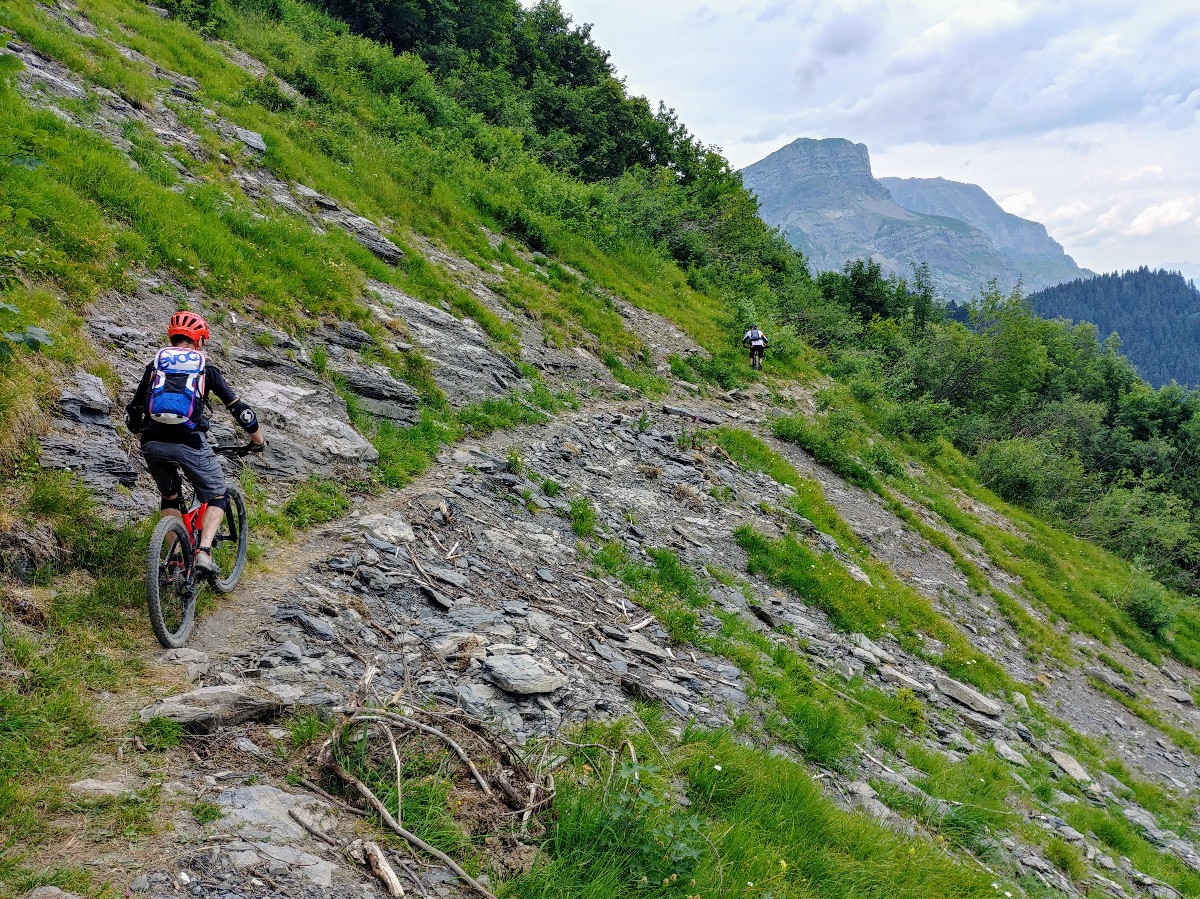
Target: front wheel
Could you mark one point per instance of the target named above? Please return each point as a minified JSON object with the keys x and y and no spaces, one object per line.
{"x":229,"y":546}
{"x":170,"y":593}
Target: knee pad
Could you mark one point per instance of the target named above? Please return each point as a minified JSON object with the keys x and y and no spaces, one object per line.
{"x":175,"y":503}
{"x":220,"y":502}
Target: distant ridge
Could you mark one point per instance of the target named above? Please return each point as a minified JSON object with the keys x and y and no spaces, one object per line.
{"x":1037,"y":257}
{"x":1155,"y":312}
{"x":823,"y":196}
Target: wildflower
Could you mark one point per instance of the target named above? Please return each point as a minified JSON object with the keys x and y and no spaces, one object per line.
{"x":716,"y":767}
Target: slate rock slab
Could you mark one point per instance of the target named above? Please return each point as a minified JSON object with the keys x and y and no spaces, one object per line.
{"x":208,"y":708}
{"x":968,"y":696}
{"x":521,"y":674}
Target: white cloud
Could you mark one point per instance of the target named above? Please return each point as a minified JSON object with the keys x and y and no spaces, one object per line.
{"x":1146,"y":171}
{"x":1162,"y":216}
{"x":1019,"y":204}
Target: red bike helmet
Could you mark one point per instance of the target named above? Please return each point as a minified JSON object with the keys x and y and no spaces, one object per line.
{"x":189,"y":325}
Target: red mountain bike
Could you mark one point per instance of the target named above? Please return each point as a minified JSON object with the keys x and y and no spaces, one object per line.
{"x":171,"y":581}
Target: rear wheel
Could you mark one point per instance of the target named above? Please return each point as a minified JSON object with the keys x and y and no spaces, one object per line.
{"x":170,"y":593}
{"x":229,"y":546}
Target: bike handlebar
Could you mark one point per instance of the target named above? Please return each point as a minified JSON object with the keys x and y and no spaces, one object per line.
{"x":238,"y":450}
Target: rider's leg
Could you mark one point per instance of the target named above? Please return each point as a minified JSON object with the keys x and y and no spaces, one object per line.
{"x":172,"y":506}
{"x":166,"y":477}
{"x":212,"y":523}
{"x":203,"y":470}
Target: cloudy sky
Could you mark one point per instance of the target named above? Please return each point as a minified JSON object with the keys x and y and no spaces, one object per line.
{"x":1081,"y":114}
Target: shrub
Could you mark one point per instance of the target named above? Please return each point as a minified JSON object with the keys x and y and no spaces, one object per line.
{"x":1033,"y":474}
{"x":267,"y":93}
{"x":1150,"y":605}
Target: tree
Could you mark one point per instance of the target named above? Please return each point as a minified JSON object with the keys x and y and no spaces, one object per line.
{"x":922,"y":299}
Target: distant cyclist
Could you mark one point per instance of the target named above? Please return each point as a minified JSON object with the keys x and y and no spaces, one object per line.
{"x":168,"y":415}
{"x":757,"y":341}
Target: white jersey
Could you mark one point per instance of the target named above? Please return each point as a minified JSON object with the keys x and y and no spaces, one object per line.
{"x":756,"y":338}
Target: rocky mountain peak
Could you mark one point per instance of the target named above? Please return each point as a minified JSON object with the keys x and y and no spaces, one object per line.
{"x":830,"y":206}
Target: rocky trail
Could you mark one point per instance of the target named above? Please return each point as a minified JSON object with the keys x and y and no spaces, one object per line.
{"x":469,"y":589}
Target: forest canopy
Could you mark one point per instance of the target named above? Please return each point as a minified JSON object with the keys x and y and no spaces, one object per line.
{"x":1156,"y":312}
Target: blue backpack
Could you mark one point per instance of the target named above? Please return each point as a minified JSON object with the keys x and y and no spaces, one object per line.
{"x":177,"y":391}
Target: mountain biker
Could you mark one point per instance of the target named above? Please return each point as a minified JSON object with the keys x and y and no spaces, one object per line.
{"x":757,"y":341}
{"x":167,"y":414}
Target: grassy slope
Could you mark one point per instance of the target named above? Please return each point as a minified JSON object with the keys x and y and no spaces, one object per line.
{"x":85,"y":223}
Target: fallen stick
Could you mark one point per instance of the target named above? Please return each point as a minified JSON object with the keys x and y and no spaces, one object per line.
{"x":383,"y":869}
{"x":391,"y":822}
{"x":403,"y":721}
{"x":340,"y":803}
{"x":323,"y":837}
{"x":415,"y":878}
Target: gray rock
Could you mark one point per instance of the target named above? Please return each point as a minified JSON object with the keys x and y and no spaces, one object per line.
{"x":639,"y":644}
{"x":440,"y":600}
{"x":392,"y":528}
{"x":863,"y":797}
{"x":1009,"y":754}
{"x":865,"y":643}
{"x":251,"y":139}
{"x":319,"y":199}
{"x":208,"y":708}
{"x":264,"y":812}
{"x":1069,"y":765}
{"x":900,"y":679}
{"x":316,"y":626}
{"x":286,"y":859}
{"x":1110,"y":678}
{"x":83,"y":440}
{"x":449,"y":576}
{"x":849,"y":668}
{"x":465,"y":365}
{"x":50,"y":893}
{"x":968,"y":696}
{"x":185,"y":654}
{"x":521,"y":674}
{"x":84,"y":399}
{"x":1180,"y":696}
{"x":380,"y":394}
{"x":92,"y":789}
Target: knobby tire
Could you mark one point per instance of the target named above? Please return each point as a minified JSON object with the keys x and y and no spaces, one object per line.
{"x":234,"y":530}
{"x":170,"y":545}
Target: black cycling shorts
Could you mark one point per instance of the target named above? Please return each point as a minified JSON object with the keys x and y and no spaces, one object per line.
{"x":200,"y":466}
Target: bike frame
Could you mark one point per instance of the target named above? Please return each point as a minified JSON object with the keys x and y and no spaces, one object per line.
{"x":194,"y":522}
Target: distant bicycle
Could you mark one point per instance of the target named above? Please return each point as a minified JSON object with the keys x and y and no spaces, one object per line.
{"x":758,"y":343}
{"x":171,"y":580}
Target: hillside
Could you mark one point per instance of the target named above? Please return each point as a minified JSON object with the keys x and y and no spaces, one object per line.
{"x":1155,"y":313}
{"x":549,"y":595}
{"x":823,"y":196}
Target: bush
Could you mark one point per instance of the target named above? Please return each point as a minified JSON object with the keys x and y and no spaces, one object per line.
{"x":267,"y":93}
{"x":1150,"y":605}
{"x":1034,"y":474}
